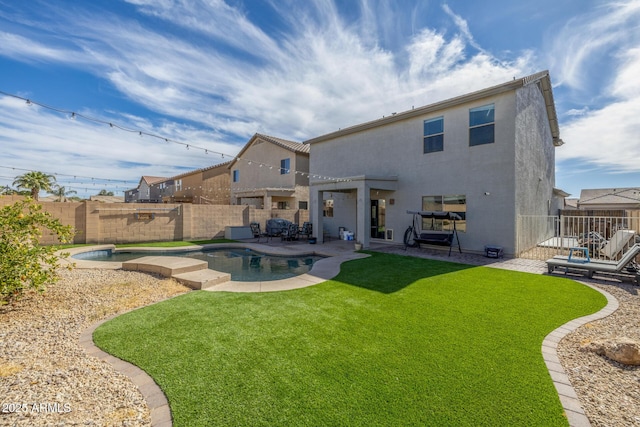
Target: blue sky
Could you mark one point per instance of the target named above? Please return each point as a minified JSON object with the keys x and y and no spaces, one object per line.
{"x":210,"y":74}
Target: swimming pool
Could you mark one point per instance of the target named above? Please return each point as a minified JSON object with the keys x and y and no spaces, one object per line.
{"x":244,"y":265}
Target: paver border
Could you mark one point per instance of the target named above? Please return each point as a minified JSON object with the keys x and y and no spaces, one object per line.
{"x":151,"y":392}
{"x":159,"y":406}
{"x":568,"y":396}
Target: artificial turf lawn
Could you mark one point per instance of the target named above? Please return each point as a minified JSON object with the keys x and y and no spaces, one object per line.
{"x":392,"y":340}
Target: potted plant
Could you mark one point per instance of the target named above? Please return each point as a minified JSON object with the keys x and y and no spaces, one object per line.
{"x":358,"y":245}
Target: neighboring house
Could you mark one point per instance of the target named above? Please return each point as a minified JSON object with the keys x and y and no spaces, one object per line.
{"x":208,"y":186}
{"x":488,"y":156}
{"x":143,"y":194}
{"x":610,"y":199}
{"x":271,"y":173}
{"x":571,"y":204}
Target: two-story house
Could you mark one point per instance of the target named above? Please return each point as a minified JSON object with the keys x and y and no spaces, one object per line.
{"x":143,"y":193}
{"x":206,"y":186}
{"x":271,"y":173}
{"x":488,"y":156}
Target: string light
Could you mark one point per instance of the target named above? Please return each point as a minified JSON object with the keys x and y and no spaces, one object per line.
{"x":141,"y":133}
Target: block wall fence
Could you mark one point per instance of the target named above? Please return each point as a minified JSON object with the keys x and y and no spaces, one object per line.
{"x":98,"y":223}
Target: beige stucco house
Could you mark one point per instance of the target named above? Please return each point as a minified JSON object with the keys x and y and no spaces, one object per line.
{"x":206,"y":186}
{"x":271,"y":173}
{"x":488,"y":156}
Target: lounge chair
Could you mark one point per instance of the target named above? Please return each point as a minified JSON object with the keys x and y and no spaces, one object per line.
{"x":592,"y":266}
{"x":617,"y":243}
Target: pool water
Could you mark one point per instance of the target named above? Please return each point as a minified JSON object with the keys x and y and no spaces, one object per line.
{"x":244,"y":265}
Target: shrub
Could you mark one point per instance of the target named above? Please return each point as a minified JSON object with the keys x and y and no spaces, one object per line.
{"x":24,"y":263}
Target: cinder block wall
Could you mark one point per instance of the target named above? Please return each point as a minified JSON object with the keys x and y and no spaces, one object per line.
{"x":97,"y":223}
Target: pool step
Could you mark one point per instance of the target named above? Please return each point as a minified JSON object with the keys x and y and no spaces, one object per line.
{"x":167,"y":266}
{"x":188,"y":271}
{"x":202,"y":279}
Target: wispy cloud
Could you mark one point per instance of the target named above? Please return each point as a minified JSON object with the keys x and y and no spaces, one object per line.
{"x":319,"y":76}
{"x":211,"y":65}
{"x":606,"y":134}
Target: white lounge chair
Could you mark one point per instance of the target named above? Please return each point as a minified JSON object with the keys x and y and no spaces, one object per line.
{"x":593,"y":266}
{"x":617,"y":243}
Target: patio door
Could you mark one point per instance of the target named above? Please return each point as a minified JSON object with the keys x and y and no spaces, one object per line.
{"x":378,"y":214}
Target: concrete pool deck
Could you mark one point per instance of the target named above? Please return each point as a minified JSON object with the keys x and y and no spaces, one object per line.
{"x":338,"y":252}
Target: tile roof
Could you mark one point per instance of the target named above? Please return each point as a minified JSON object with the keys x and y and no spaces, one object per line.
{"x":152,"y":179}
{"x":610,"y":196}
{"x":297,"y":147}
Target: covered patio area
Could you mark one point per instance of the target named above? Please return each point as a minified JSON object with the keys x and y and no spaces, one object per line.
{"x":359,"y":212}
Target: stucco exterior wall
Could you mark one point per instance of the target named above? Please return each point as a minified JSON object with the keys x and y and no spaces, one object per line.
{"x":255,"y":180}
{"x":396,"y":149}
{"x":268,"y":176}
{"x":535,"y":154}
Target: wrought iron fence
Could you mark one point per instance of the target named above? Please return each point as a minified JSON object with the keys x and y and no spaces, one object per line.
{"x":606,"y":237}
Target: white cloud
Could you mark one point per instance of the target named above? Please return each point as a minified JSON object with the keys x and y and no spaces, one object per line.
{"x":226,"y":74}
{"x":605,"y":135}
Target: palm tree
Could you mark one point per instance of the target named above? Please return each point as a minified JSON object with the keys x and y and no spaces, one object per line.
{"x":62,"y":193}
{"x":35,"y":181}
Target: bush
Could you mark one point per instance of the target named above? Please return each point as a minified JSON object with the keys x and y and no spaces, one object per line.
{"x":24,"y":263}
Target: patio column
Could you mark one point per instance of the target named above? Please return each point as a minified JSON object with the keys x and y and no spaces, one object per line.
{"x":317,"y":215}
{"x":266,"y":201}
{"x":363,"y":214}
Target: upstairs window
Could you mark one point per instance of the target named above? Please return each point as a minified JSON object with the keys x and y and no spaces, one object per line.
{"x":482,"y":125}
{"x":285,"y":165}
{"x":178,"y":184}
{"x":434,"y":135}
{"x":236,"y":175}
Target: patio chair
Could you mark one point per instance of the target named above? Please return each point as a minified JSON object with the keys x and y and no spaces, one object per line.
{"x":290,"y":232}
{"x":306,"y":229}
{"x":257,"y":233}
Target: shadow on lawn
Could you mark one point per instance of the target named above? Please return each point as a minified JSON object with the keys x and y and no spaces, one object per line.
{"x":388,"y":273}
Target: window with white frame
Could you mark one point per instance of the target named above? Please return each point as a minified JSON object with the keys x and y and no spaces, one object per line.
{"x":434,"y":135}
{"x":178,"y":185}
{"x":482,"y":125}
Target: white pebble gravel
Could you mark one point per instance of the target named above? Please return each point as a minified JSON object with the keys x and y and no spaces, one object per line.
{"x":46,"y":378}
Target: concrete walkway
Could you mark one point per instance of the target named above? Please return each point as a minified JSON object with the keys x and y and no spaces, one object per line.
{"x":339,"y":252}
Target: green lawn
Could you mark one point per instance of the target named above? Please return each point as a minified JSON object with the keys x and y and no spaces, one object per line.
{"x":391,"y":341}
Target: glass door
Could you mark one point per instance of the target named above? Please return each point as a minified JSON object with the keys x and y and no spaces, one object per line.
{"x":378,"y":214}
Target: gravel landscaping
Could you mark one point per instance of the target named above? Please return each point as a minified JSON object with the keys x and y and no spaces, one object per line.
{"x":47,"y":379}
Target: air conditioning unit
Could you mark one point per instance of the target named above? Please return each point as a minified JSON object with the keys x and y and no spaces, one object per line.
{"x":388,"y":234}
